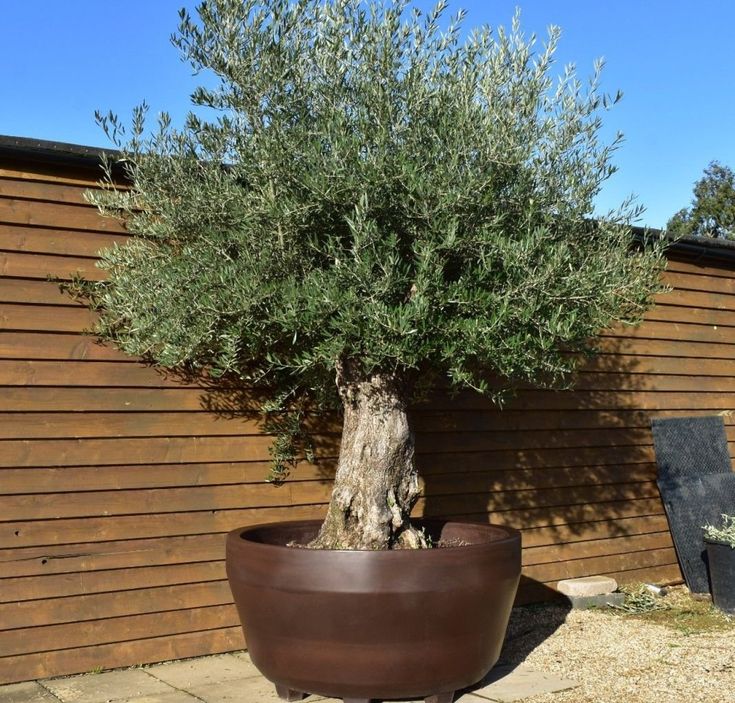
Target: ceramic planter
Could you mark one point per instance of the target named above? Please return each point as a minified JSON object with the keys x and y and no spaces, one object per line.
{"x":721,"y":560}
{"x":364,"y":625}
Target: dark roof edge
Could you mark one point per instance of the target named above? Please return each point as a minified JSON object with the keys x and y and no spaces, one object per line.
{"x":696,"y":248}
{"x":50,"y":152}
{"x":90,"y":157}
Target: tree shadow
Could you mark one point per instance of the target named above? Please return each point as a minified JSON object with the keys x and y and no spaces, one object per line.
{"x":574,"y":470}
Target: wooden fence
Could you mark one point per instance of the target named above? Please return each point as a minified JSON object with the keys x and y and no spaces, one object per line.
{"x":117,"y":486}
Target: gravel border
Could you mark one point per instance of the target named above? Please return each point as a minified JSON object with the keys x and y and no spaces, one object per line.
{"x":622,"y":658}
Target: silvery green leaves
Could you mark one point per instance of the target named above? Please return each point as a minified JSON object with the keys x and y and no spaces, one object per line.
{"x":360,"y":182}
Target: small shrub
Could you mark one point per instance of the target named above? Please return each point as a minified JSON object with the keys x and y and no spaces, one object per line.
{"x":724,"y":534}
{"x":638,"y":599}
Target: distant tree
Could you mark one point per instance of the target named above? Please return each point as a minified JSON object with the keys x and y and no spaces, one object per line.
{"x":712,"y":213}
{"x":398,"y":205}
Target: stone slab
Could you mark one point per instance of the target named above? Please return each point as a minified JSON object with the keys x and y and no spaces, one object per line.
{"x":168,"y":697}
{"x":27,"y":692}
{"x":587,"y":586}
{"x":461,"y":698}
{"x":247,"y":690}
{"x":603,"y":601}
{"x":121,"y":685}
{"x":506,"y":684}
{"x":191,"y":673}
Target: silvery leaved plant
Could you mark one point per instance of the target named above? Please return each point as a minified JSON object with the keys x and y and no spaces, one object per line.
{"x":368,"y":200}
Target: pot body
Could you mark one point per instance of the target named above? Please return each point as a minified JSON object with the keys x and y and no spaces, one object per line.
{"x":721,"y":559}
{"x":374,"y":624}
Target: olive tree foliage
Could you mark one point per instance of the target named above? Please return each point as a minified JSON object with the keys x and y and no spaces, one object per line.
{"x":365,"y":185}
{"x":712,"y":213}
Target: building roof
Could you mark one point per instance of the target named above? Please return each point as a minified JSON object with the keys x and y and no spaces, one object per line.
{"x":41,"y":150}
{"x":89,"y":157}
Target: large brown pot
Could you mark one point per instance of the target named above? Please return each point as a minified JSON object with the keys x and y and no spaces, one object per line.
{"x":364,"y":625}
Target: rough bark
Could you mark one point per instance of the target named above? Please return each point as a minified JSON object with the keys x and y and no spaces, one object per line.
{"x":376,"y":484}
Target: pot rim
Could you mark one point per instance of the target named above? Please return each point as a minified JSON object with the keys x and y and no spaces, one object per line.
{"x":511,"y":535}
{"x":709,"y":540}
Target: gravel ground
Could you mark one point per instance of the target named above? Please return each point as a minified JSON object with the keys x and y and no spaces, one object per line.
{"x":627,"y":659}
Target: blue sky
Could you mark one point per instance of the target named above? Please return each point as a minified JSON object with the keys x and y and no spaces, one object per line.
{"x":673,"y":60}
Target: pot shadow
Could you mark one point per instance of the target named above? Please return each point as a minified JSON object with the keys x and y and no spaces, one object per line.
{"x":532,"y":624}
{"x":529,"y":627}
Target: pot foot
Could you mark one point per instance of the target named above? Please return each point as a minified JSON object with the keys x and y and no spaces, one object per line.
{"x":357,"y":700}
{"x":447,"y":697}
{"x":288,"y":694}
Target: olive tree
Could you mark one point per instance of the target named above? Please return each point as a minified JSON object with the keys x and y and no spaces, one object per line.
{"x":367,"y":199}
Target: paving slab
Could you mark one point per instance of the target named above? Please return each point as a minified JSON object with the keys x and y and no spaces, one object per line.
{"x":109,"y":686}
{"x":190,"y":673}
{"x":463,"y":698}
{"x":167,"y":697}
{"x":27,"y":692}
{"x":248,"y":690}
{"x":587,"y":586}
{"x":506,"y":684}
{"x":244,"y":656}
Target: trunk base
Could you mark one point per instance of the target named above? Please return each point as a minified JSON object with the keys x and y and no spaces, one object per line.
{"x":408,"y":537}
{"x":376,"y":484}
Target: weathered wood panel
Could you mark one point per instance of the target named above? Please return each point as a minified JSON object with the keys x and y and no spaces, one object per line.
{"x":118,"y":484}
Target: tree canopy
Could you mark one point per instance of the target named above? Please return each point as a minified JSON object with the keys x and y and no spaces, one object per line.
{"x":712,"y":212}
{"x":359,"y":182}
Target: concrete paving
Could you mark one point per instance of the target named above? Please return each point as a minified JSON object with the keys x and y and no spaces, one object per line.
{"x":232,"y":678}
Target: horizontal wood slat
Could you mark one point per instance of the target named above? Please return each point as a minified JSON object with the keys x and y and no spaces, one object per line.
{"x":114,"y":604}
{"x":57,"y":242}
{"x":573,"y":551}
{"x":122,"y":554}
{"x":29,"y":292}
{"x":165,"y":450}
{"x":719,"y":300}
{"x":163,"y":500}
{"x":39,"y":213}
{"x":709,"y":267}
{"x":45,"y":318}
{"x":612,"y":345}
{"x":679,"y":331}
{"x":27,"y":189}
{"x":120,"y":654}
{"x":86,"y":373}
{"x":45,"y":266}
{"x":691,"y":315}
{"x":58,"y":347}
{"x":38,"y":172}
{"x":135,"y":627}
{"x":60,"y":585}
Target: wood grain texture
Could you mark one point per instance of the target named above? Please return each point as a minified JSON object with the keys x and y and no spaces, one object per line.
{"x":40,"y":213}
{"x":118,"y":483}
{"x":43,"y":240}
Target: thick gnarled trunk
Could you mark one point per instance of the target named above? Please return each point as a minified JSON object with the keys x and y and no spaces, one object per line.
{"x":376,"y":483}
